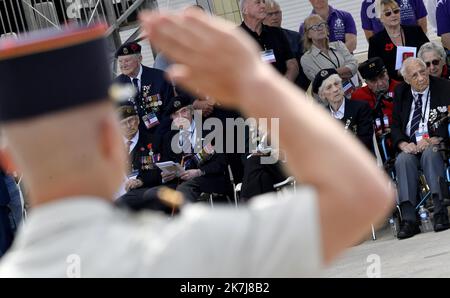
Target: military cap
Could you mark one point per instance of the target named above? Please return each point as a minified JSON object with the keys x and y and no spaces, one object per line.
{"x":321,"y":76}
{"x":129,"y":48}
{"x":126,"y":110}
{"x":371,"y":68}
{"x":52,"y":70}
{"x":177,"y":103}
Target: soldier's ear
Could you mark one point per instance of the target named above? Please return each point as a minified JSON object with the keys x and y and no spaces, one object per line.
{"x":110,"y":143}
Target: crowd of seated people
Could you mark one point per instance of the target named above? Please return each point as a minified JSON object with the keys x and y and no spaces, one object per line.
{"x":378,"y":99}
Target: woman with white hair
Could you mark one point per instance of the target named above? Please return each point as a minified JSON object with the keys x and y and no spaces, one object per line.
{"x":356,"y":115}
{"x":434,"y":56}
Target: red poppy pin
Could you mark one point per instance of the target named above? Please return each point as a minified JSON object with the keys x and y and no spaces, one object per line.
{"x":389,"y":47}
{"x":134,"y":47}
{"x":149,"y":146}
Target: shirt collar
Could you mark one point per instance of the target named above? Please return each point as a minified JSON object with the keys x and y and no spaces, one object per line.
{"x":339,"y":114}
{"x":138,"y":75}
{"x":424,"y":93}
{"x":250,"y":31}
{"x":133,"y":139}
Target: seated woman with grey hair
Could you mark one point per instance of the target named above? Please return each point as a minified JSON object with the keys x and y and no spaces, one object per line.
{"x":434,"y":56}
{"x":356,"y":115}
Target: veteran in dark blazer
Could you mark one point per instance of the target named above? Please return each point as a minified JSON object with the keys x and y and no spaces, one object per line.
{"x":153,"y":91}
{"x":142,"y":171}
{"x":419,"y":129}
{"x":204,"y":169}
{"x":355,"y":115}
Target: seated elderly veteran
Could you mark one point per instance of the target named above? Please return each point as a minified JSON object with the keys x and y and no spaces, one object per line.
{"x":142,"y":172}
{"x":435,"y":58}
{"x":355,"y":115}
{"x":419,"y":127}
{"x":204,"y":170}
{"x":379,"y":93}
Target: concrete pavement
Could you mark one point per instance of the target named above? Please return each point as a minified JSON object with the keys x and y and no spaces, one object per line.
{"x":424,"y":255}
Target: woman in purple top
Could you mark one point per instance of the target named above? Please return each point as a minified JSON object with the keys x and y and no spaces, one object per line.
{"x":340,"y":23}
{"x":413,"y":12}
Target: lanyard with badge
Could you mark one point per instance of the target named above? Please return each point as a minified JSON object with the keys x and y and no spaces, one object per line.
{"x":422,"y":131}
{"x":268,"y":55}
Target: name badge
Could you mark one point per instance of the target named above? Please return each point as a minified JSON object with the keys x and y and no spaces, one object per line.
{"x":150,"y":120}
{"x":421,"y":133}
{"x":268,"y":56}
{"x":386,"y":121}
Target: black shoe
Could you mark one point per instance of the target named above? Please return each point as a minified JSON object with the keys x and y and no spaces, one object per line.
{"x":441,"y":222}
{"x":407,"y":230}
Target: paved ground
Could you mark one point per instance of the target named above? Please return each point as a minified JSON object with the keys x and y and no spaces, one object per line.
{"x":424,"y":255}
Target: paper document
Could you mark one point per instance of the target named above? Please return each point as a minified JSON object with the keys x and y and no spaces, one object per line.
{"x":404,"y":53}
{"x":169,"y":167}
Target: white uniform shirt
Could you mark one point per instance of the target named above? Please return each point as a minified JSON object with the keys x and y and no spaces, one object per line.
{"x":89,"y":237}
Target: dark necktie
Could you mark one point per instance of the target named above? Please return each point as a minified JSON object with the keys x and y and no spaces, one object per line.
{"x":417,"y":117}
{"x":136,"y":85}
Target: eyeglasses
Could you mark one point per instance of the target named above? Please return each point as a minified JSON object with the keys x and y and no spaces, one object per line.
{"x":435,"y":62}
{"x":394,"y":11}
{"x":317,"y":27}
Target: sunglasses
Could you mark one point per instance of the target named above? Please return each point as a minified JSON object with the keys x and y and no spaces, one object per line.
{"x":394,"y":11}
{"x":435,"y":62}
{"x":318,"y":27}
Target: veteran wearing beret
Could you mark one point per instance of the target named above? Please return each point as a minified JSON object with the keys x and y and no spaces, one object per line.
{"x":142,"y":172}
{"x":204,"y":169}
{"x":355,"y":115}
{"x":152,"y":90}
{"x":379,"y":91}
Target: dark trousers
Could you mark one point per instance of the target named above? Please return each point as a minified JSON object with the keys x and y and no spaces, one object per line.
{"x":259,"y":178}
{"x":193,"y":188}
{"x":407,"y":168}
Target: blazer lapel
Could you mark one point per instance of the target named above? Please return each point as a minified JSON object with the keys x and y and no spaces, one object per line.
{"x":407,"y":103}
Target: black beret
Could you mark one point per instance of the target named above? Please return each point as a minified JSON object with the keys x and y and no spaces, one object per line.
{"x":176,"y":103}
{"x":371,"y":68}
{"x":53,"y":70}
{"x":129,"y":48}
{"x":321,"y":76}
{"x":126,"y":110}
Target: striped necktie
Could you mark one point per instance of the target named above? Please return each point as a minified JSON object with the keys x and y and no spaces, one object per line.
{"x":417,"y":117}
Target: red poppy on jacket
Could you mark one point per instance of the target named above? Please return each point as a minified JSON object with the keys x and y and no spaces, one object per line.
{"x":389,"y":47}
{"x":149,"y":146}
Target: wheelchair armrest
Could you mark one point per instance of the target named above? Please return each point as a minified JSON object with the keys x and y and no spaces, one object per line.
{"x":238,"y":187}
{"x":290,"y":180}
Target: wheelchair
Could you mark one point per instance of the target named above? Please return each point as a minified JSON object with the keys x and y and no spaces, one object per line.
{"x":424,"y":193}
